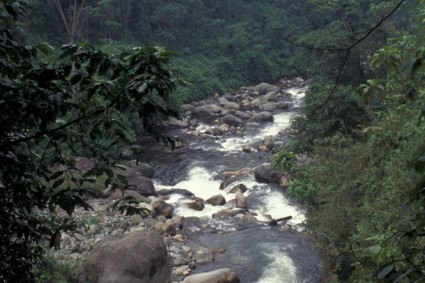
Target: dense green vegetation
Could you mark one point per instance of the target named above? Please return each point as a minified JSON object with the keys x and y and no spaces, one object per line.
{"x":56,"y":105}
{"x":365,"y":183}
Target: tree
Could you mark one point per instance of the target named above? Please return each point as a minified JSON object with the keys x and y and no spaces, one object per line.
{"x":55,"y":106}
{"x":73,"y":18}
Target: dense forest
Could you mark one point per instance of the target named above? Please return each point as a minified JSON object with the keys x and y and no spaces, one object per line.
{"x":74,"y":67}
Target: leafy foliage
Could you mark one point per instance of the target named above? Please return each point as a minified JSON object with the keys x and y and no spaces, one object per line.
{"x":366,"y":195}
{"x":55,"y":105}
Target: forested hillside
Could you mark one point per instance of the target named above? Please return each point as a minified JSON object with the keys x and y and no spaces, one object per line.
{"x":225,"y":44}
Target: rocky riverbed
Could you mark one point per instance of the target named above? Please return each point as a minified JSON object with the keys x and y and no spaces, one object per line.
{"x":218,"y":209}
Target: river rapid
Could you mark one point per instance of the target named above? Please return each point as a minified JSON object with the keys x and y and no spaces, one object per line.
{"x":253,"y":249}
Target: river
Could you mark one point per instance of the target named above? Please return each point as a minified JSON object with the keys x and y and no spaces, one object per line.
{"x":256,"y":251}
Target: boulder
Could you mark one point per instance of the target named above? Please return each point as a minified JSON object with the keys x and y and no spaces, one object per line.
{"x":265,"y":174}
{"x":267,"y":106}
{"x":231,"y":106}
{"x":216,"y":200}
{"x":264,"y":116}
{"x":271,"y":96}
{"x":282,"y":105}
{"x":187,"y":107}
{"x":224,"y":128}
{"x":163,"y":208}
{"x":240,"y":200}
{"x":142,"y":185}
{"x":238,"y":188}
{"x":264,"y":88}
{"x":223,"y":275}
{"x":232,"y":120}
{"x":184,"y":123}
{"x":242,"y":115}
{"x":144,"y":170}
{"x":137,"y":257}
{"x":246,"y":148}
{"x":227,"y":213}
{"x":198,"y":204}
{"x":214,"y":108}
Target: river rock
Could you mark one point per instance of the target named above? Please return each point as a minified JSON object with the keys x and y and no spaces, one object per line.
{"x":242,"y":115}
{"x":198,"y":204}
{"x":216,"y":200}
{"x":238,"y":188}
{"x":182,"y":123}
{"x":282,"y":105}
{"x":240,"y":200}
{"x":246,"y":148}
{"x":183,"y":192}
{"x":166,"y":227}
{"x":142,"y":185}
{"x":267,"y":106}
{"x":187,"y":107}
{"x":144,"y":170}
{"x":265,"y":174}
{"x":223,"y":275}
{"x":163,"y":208}
{"x":263,"y":88}
{"x":138,"y":257}
{"x":231,"y":105}
{"x":264,"y":116}
{"x":270,"y":96}
{"x":227,"y":213}
{"x":232,"y":120}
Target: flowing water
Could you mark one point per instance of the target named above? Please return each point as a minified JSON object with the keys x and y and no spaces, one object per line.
{"x":257,"y":252}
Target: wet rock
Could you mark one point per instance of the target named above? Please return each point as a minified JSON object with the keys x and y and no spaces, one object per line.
{"x":214,"y":108}
{"x":216,"y":200}
{"x":264,"y":116}
{"x":263,"y":88}
{"x":198,"y":204}
{"x":138,"y":257}
{"x":142,"y":185}
{"x":144,"y":170}
{"x":282,"y":105}
{"x":227,"y":213}
{"x":184,"y":123}
{"x":232,"y":120}
{"x":238,"y":188}
{"x":267,"y":107}
{"x":242,"y":115}
{"x":166,"y":227}
{"x":246,"y":148}
{"x":270,"y":96}
{"x":230,"y":105}
{"x":240,"y":200}
{"x":224,"y":128}
{"x":119,"y":194}
{"x":163,"y":208}
{"x":262,"y":148}
{"x":223,"y":275}
{"x":269,"y":142}
{"x":187,"y":107}
{"x":183,"y":192}
{"x":265,"y":174}
{"x":136,"y":219}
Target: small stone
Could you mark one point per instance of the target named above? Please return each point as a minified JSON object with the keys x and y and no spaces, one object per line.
{"x":136,"y":220}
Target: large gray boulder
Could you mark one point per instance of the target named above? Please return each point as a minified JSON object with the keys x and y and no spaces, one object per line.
{"x":232,"y":120}
{"x":265,"y":174}
{"x":264,"y":116}
{"x":216,"y":200}
{"x":142,"y":185}
{"x":265,"y":88}
{"x":223,"y":275}
{"x":138,"y":257}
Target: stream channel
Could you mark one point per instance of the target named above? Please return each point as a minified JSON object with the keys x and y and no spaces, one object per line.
{"x":254,"y":250}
